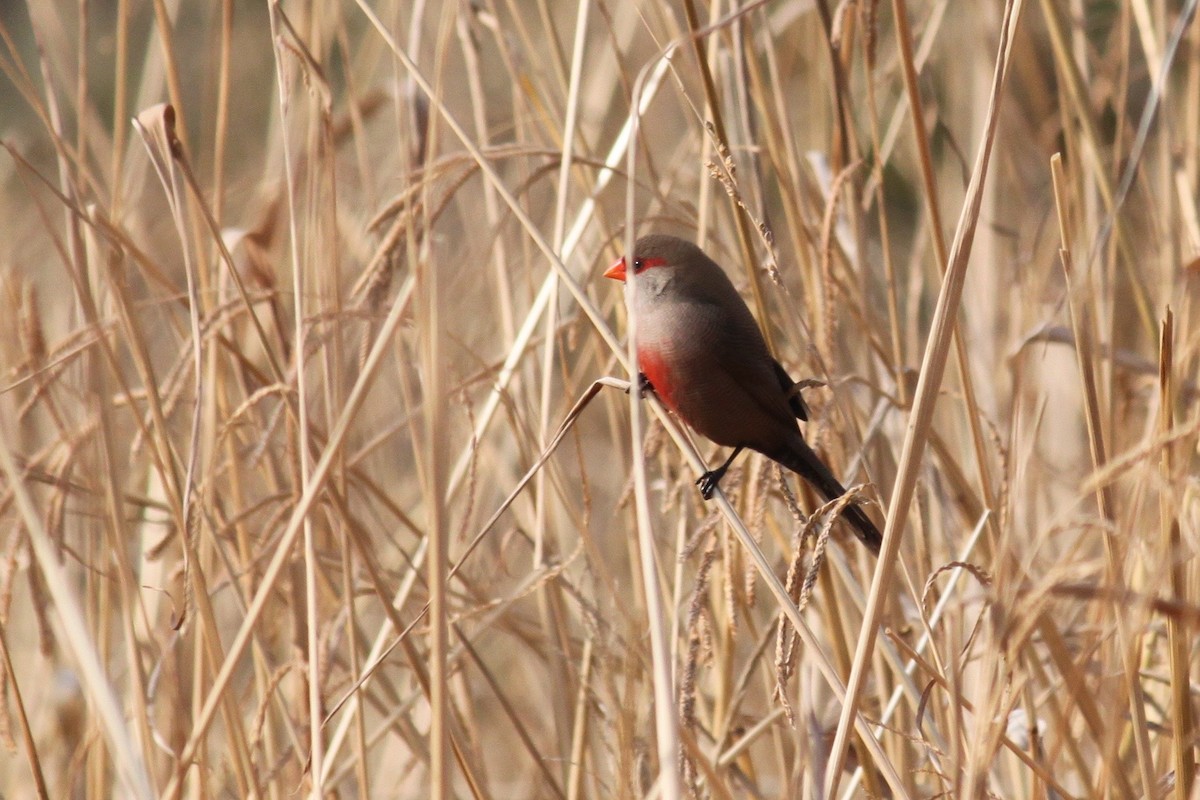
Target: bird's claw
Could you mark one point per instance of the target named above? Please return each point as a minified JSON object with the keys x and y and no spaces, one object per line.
{"x":708,"y":482}
{"x":644,"y":386}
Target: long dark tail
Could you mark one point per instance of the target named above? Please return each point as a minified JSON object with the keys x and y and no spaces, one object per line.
{"x":800,"y":458}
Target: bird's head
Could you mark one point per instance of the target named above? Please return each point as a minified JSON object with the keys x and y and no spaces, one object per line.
{"x":659,"y":260}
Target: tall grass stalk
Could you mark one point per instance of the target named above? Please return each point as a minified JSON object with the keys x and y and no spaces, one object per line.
{"x":318,"y":477}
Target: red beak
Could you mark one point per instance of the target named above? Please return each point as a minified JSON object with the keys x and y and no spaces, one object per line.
{"x":617,"y":270}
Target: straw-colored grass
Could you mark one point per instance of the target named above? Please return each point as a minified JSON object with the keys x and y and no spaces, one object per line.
{"x":316,"y":473}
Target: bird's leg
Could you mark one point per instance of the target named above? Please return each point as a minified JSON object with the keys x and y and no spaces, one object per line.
{"x":709,"y":480}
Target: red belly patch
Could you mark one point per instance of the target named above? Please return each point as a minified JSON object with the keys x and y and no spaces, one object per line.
{"x":655,"y":369}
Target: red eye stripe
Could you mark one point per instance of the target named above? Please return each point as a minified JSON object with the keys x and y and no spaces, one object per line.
{"x":640,"y":264}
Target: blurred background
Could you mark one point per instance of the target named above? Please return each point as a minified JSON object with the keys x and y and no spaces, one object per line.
{"x":266,"y":353}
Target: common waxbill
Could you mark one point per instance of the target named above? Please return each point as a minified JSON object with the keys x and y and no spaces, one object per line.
{"x":703,"y":354}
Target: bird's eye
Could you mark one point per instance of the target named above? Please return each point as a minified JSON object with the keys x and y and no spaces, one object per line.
{"x":647,"y":262}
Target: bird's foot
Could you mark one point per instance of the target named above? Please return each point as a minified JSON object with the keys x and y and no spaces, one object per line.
{"x":708,"y":482}
{"x":644,"y":386}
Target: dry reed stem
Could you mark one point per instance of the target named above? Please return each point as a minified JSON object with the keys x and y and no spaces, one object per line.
{"x":928,"y":385}
{"x":380,"y":216}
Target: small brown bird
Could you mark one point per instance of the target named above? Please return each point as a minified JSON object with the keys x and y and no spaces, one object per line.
{"x":703,"y":354}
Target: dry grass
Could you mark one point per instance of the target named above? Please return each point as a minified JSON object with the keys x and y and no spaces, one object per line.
{"x":299,"y":494}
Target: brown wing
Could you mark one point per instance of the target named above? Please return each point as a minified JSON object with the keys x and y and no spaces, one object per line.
{"x":795,"y":399}
{"x":753,"y":409}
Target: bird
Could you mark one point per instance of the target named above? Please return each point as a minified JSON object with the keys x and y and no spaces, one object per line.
{"x":700,"y":350}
